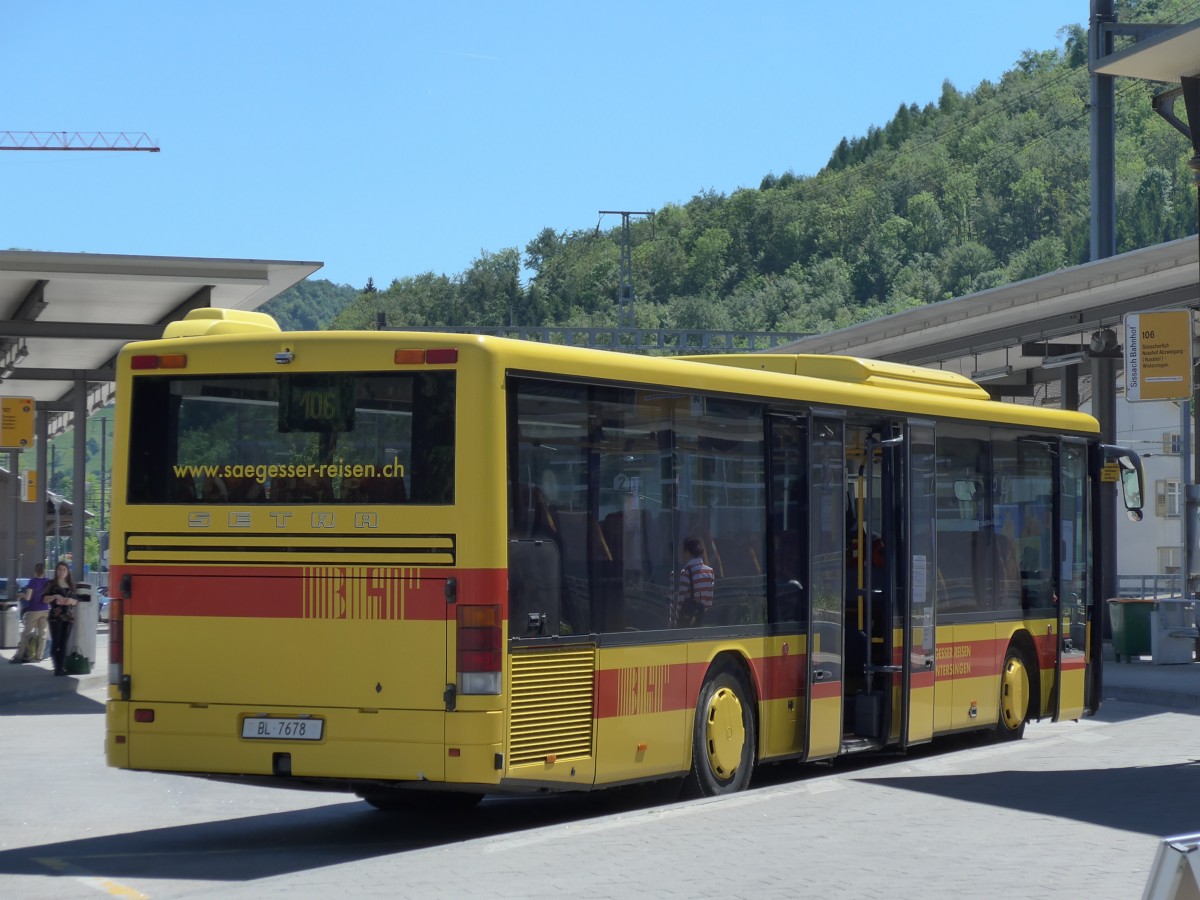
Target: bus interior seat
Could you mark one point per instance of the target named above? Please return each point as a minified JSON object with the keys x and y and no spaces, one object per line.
{"x":374,"y":489}
{"x":246,"y":489}
{"x":1007,"y":572}
{"x":183,"y":490}
{"x":740,"y":556}
{"x":532,"y":516}
{"x":574,"y":529}
{"x":215,"y":490}
{"x":956,"y":570}
{"x":311,"y":489}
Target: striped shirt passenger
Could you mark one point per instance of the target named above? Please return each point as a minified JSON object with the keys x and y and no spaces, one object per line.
{"x":694,"y":591}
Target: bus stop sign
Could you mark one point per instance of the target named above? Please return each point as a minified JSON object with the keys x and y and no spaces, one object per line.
{"x":1158,"y":355}
{"x":16,"y":423}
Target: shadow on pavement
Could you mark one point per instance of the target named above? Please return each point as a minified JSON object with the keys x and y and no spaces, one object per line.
{"x":64,"y":703}
{"x":1153,"y":800}
{"x":242,"y":850}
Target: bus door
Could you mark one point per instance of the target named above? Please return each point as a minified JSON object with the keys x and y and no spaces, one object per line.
{"x":807,"y":508}
{"x":1071,"y":565}
{"x":919,"y":645}
{"x":874,"y":457}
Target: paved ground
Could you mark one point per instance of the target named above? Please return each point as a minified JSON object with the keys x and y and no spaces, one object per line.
{"x":1076,"y":809}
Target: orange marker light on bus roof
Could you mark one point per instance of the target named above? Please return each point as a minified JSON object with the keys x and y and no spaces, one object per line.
{"x":166,"y":361}
{"x":442,"y":355}
{"x":409,"y":357}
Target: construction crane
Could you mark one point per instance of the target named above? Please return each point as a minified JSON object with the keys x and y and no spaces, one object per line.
{"x":76,"y":140}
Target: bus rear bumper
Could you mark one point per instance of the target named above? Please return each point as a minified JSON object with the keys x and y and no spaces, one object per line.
{"x":375,"y":744}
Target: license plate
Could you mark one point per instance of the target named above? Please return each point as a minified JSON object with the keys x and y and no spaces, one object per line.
{"x":272,"y":728}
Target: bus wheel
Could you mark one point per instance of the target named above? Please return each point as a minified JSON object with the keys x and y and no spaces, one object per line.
{"x":723,"y":736}
{"x":424,"y":802}
{"x":1014,"y":696}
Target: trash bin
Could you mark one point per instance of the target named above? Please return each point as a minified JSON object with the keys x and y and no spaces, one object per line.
{"x":83,"y":634}
{"x":1172,"y":630}
{"x":10,"y":626}
{"x":1130,"y":618}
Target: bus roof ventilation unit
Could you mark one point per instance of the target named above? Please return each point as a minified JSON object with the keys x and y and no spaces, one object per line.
{"x":213,"y":320}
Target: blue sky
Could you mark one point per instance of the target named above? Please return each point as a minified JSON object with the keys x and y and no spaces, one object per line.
{"x":386,"y":139}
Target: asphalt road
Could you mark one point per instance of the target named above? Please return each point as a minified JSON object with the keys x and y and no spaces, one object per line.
{"x":1076,"y":809}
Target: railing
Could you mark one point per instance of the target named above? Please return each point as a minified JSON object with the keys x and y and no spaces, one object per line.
{"x":629,"y":340}
{"x":1149,"y":586}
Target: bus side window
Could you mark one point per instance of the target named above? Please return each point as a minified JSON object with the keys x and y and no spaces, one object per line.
{"x":535,"y":590}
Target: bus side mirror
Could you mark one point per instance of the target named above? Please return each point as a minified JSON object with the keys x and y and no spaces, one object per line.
{"x":1131,"y":484}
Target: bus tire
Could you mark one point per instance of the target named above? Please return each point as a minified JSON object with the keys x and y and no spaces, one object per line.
{"x":1015,"y":696}
{"x":724,"y":735}
{"x":423,"y":802}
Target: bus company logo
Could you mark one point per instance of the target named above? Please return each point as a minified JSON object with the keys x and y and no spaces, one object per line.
{"x":361,"y":593}
{"x":324,"y":519}
{"x":642,"y":689}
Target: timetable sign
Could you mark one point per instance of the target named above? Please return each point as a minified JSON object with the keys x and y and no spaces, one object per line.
{"x":1158,"y":355}
{"x":16,"y":423}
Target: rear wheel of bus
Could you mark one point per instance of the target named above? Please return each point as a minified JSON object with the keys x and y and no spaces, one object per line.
{"x":724,"y":735}
{"x":1015,"y":694}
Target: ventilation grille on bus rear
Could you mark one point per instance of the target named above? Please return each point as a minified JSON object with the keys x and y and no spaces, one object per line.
{"x":551,"y":705}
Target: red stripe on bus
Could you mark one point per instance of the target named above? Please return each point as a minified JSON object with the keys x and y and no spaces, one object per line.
{"x":638,"y":690}
{"x":923,"y":679}
{"x":310,"y":592}
{"x":1047,"y":649}
{"x":826,"y":690}
{"x":780,"y":677}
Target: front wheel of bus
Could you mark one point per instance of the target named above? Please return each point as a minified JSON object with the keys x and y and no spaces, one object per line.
{"x":1014,"y":696}
{"x":723,"y":736}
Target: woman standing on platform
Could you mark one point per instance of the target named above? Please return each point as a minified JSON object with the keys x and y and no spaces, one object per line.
{"x":60,"y":596}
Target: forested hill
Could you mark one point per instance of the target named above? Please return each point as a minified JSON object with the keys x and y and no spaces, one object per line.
{"x":309,"y":305}
{"x":954,"y":195}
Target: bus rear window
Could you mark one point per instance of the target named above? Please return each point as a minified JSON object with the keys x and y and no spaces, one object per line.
{"x":293,"y":438}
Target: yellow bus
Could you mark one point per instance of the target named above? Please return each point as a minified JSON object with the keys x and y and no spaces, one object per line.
{"x":428,"y":567}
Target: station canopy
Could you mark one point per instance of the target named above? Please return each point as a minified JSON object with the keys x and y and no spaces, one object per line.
{"x":65,"y":316}
{"x":1023,"y":330}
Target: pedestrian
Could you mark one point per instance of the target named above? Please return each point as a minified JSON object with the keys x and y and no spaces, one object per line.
{"x":33,"y":638}
{"x":694,"y":591}
{"x":60,"y":597}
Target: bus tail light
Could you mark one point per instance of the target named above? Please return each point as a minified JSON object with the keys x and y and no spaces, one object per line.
{"x":480,"y":649}
{"x":116,"y":639}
